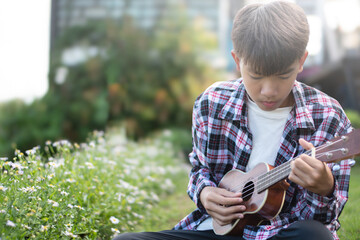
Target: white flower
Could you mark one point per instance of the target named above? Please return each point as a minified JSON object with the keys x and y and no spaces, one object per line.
{"x":28,"y":189}
{"x":70,"y":180}
{"x":89,"y":165}
{"x":32,"y":151}
{"x":70,"y":205}
{"x":2,"y":188}
{"x":79,"y":207}
{"x":10,"y":223}
{"x":60,"y":143}
{"x":115,"y":230}
{"x":26,"y":226}
{"x":3,"y":158}
{"x":131,"y":200}
{"x":155,"y":197}
{"x":124,"y":184}
{"x":64,"y":193}
{"x":68,"y":226}
{"x":55,"y":204}
{"x":52,"y":164}
{"x":114,"y":220}
{"x":120,"y":196}
{"x":16,"y":165}
{"x":69,"y":234}
{"x":44,"y":228}
{"x":17,"y":152}
{"x":137,"y":215}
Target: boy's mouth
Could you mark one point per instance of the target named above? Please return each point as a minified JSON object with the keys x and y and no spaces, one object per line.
{"x":269,"y":104}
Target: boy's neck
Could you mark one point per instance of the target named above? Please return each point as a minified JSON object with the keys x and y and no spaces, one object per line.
{"x":289,"y":101}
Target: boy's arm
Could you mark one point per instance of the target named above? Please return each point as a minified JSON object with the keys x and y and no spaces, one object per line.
{"x":324,"y":199}
{"x":200,"y":176}
{"x":312,"y":174}
{"x":222,"y":205}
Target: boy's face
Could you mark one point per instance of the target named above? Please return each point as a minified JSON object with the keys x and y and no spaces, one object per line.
{"x":270,"y":92}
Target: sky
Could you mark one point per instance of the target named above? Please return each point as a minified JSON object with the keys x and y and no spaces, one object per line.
{"x":24,"y":48}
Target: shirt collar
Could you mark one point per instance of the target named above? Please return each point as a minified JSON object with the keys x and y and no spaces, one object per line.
{"x":303,"y":118}
{"x":235,"y":108}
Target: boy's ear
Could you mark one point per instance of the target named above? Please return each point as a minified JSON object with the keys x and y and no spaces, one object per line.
{"x":302,"y":61}
{"x":236,"y":59}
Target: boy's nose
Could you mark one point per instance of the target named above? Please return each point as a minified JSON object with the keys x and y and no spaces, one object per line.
{"x":269,"y":90}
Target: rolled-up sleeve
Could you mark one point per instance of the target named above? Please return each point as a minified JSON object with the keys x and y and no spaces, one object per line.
{"x":200,"y":176}
{"x":327,"y":209}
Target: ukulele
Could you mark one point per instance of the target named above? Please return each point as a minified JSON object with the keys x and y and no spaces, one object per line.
{"x":263,"y":188}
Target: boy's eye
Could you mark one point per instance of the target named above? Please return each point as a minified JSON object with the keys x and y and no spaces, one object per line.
{"x":256,"y":77}
{"x":284,"y":77}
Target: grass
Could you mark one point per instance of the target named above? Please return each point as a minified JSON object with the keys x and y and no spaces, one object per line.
{"x":170,"y":210}
{"x":349,"y":219}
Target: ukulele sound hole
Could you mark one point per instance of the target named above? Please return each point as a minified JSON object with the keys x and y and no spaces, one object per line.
{"x":248,"y":191}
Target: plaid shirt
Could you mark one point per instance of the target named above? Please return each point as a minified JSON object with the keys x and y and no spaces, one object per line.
{"x":222,"y":141}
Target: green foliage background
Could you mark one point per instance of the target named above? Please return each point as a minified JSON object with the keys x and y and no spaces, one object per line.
{"x":145,"y":79}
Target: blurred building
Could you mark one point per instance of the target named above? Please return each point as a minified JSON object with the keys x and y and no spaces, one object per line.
{"x":334,"y":49}
{"x":215,"y":13}
{"x":334,"y":45}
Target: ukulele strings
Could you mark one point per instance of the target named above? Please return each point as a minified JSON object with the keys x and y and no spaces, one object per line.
{"x":283,"y":170}
{"x":272,"y":174}
{"x":308,"y":152}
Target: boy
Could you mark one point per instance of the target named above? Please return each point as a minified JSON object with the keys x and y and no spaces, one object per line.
{"x":265,"y":116}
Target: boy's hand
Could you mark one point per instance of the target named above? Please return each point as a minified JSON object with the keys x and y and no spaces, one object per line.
{"x":222,"y":205}
{"x":311,"y":173}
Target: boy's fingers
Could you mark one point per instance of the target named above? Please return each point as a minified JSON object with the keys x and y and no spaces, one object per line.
{"x":305,"y":144}
{"x":227,"y":193}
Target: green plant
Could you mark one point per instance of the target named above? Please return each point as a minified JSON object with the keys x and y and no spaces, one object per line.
{"x":92,"y":190}
{"x":354,"y":117}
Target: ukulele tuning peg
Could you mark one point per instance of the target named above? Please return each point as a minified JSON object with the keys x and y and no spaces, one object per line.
{"x":352,"y":163}
{"x":336,"y":167}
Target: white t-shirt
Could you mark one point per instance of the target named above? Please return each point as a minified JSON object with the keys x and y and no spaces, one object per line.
{"x":267,"y":128}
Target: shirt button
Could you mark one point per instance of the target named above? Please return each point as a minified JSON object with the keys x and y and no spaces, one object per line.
{"x":247,"y":147}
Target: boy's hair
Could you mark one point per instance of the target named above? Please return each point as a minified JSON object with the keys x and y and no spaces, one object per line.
{"x":270,"y":37}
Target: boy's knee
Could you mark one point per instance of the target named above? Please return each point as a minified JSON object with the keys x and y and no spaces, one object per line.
{"x":308,"y":229}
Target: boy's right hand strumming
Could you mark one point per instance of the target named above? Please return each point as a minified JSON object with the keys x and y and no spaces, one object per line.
{"x":222,"y":205}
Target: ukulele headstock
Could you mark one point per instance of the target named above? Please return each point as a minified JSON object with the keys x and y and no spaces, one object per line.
{"x":339,"y":148}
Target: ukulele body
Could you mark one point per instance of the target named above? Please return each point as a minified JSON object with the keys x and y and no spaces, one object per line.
{"x":260,"y":206}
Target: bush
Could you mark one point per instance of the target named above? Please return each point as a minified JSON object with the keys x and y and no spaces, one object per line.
{"x":354,"y":117}
{"x":93,"y":190}
{"x":25,"y":125}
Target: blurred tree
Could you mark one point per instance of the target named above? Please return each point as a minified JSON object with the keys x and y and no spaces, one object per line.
{"x":146,"y":79}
